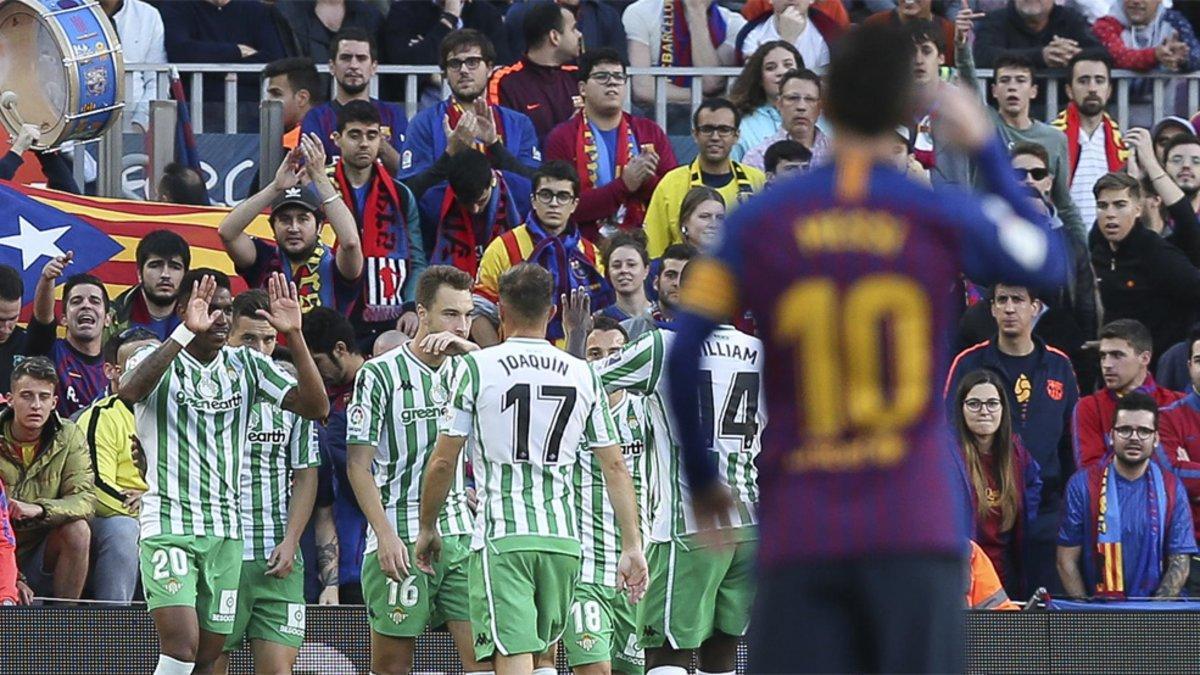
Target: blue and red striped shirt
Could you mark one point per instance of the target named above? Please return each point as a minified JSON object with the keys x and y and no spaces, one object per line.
{"x":81,"y":377}
{"x":847,"y":270}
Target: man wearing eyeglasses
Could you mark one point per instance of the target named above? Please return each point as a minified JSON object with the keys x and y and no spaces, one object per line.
{"x":620,"y":158}
{"x":1127,"y":531}
{"x":550,"y":240}
{"x":799,"y":105}
{"x":466,"y":120}
{"x":715,"y":129}
{"x":1042,"y":393}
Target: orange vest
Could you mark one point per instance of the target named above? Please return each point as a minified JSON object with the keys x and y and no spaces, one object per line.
{"x":984,"y":590}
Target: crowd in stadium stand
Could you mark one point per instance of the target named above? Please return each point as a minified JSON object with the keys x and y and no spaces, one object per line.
{"x":1074,"y":411}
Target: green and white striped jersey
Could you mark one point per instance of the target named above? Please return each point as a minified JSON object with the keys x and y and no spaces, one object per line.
{"x":395,"y":407}
{"x":733,"y":413}
{"x":599,"y":536}
{"x":278,"y":442}
{"x":193,"y":428}
{"x":529,"y":406}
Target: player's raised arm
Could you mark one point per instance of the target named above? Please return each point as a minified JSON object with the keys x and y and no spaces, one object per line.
{"x":143,"y":372}
{"x":307,"y":398}
{"x":1005,"y":239}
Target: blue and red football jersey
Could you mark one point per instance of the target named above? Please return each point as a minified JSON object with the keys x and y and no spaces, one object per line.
{"x":848,"y":272}
{"x":81,"y":378}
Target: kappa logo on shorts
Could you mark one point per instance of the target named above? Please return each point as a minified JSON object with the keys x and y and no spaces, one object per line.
{"x":587,"y":641}
{"x":295,"y":620}
{"x":482,"y":640}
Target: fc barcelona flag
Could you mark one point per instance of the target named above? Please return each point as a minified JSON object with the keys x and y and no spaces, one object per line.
{"x":37,"y":224}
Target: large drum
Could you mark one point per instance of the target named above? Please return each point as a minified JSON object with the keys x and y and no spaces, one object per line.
{"x":60,"y":69}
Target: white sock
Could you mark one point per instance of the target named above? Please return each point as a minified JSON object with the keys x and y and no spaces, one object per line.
{"x":545,"y":671}
{"x":170,"y":666}
{"x":667,"y":670}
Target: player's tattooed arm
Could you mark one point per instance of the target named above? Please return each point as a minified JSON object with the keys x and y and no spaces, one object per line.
{"x":1068,"y":570}
{"x":1178,"y":566}
{"x":142,"y":375}
{"x":326,"y":540}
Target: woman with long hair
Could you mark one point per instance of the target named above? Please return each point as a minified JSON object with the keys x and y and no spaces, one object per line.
{"x":755,"y":90}
{"x":701,"y":216}
{"x":1003,"y":480}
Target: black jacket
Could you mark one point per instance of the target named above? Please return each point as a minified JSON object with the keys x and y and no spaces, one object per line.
{"x":414,"y":31}
{"x":1149,"y":279}
{"x":1004,"y":31}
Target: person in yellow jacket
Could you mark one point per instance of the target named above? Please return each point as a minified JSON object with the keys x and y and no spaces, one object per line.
{"x":550,"y":240}
{"x":108,"y":425}
{"x":715,"y":128}
{"x":984,"y":590}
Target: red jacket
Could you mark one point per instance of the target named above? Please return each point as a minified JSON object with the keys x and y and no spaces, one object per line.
{"x":603,"y":202}
{"x":8,"y":554}
{"x":1093,"y":420}
{"x":1179,"y":427}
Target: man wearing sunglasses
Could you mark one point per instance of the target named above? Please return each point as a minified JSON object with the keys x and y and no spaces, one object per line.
{"x":1014,"y":89}
{"x":550,"y":240}
{"x":466,"y":120}
{"x":619,"y":157}
{"x":1127,"y":531}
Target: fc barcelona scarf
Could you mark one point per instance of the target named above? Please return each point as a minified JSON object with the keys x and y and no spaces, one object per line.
{"x":1106,"y":526}
{"x":597,"y":167}
{"x":384,"y":231}
{"x":460,"y":241}
{"x":570,"y":266}
{"x":675,"y":49}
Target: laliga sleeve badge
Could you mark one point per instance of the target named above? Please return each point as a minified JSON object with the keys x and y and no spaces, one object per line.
{"x":356,"y":416}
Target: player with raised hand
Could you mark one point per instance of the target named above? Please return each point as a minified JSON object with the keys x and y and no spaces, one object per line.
{"x":700,"y":592}
{"x":527,"y":406}
{"x":279,"y":488}
{"x":602,"y":632}
{"x":398,"y":398}
{"x":192,"y":397}
{"x":845,"y":270}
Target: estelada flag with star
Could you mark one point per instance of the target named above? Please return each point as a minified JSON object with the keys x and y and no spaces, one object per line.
{"x":38,"y":224}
